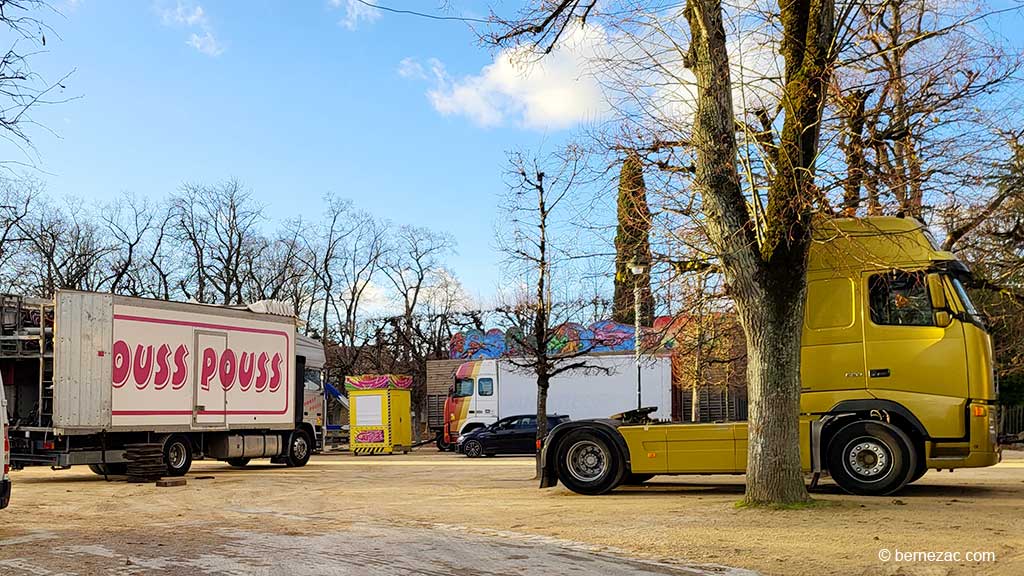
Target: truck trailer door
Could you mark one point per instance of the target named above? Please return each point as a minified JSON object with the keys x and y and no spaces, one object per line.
{"x":210,"y":397}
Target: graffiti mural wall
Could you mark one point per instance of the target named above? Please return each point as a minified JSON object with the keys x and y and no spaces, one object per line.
{"x":599,"y":337}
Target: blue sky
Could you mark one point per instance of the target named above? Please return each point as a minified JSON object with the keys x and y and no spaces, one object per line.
{"x":295,"y":100}
{"x":410,"y":118}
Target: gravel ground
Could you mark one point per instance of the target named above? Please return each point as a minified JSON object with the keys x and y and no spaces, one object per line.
{"x":442,"y":514}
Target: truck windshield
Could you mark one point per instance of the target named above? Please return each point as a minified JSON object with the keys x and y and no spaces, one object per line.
{"x":463,"y":388}
{"x":972,"y":312}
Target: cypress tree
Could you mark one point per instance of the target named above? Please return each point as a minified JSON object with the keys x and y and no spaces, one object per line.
{"x":632,"y":244}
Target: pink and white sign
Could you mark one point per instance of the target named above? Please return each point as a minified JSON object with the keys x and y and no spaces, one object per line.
{"x":207,"y":370}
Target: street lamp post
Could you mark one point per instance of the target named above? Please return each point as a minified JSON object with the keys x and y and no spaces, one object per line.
{"x":636,"y":269}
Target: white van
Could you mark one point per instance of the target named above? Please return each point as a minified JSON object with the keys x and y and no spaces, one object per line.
{"x":5,"y":453}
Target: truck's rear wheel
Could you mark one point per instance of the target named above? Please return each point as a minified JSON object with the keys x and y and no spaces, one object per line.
{"x":871,"y":458}
{"x":177,"y":455}
{"x":588,"y":463}
{"x":298,"y":449}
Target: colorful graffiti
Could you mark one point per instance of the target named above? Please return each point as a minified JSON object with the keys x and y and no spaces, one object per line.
{"x":570,"y":338}
{"x":378,"y":382}
{"x":370,"y":437}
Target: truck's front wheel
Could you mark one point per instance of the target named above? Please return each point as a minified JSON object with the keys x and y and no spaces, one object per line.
{"x":177,"y":455}
{"x":871,"y":458}
{"x":298,"y":449}
{"x":588,"y":463}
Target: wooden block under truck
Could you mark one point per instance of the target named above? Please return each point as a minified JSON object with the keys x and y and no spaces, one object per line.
{"x":87,"y":375}
{"x":896,"y":370}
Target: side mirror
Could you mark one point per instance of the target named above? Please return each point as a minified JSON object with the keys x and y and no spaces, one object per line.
{"x":937,"y":293}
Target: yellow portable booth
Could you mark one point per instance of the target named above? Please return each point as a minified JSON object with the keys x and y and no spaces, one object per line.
{"x":380,"y":413}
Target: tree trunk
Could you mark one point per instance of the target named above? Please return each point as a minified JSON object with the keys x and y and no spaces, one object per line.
{"x":542,"y":416}
{"x":768,"y":282}
{"x":773,"y":333}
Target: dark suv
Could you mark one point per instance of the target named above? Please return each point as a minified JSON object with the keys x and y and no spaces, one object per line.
{"x":510,"y":435}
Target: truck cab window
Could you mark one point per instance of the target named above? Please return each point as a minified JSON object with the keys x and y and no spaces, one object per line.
{"x":485,"y":387}
{"x":900,"y":299}
{"x":463,"y":388}
{"x":965,"y":300}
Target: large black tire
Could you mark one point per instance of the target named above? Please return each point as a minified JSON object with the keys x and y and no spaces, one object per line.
{"x":177,"y":455}
{"x":472,"y":448}
{"x":589,"y":463}
{"x":298,"y":450}
{"x":238,"y":462}
{"x":442,"y":446}
{"x":922,"y":469}
{"x":871,"y":458}
{"x":109,"y":469}
{"x":635,"y":479}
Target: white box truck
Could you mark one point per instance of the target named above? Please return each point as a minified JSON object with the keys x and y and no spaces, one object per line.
{"x":485,"y":390}
{"x":88,"y":374}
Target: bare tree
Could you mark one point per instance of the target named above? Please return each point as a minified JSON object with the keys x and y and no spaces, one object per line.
{"x":539,"y":192}
{"x":63,"y":249}
{"x":411,"y":262}
{"x":128,"y":221}
{"x":17,"y":197}
{"x":913,"y":103}
{"x":21,"y":89}
{"x":762,"y":254}
{"x":219,"y":224}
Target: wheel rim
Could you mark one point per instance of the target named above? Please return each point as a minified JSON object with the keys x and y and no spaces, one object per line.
{"x":868,"y":459}
{"x":587,"y":461}
{"x":177,"y":454}
{"x":299,"y":447}
{"x":473,"y":448}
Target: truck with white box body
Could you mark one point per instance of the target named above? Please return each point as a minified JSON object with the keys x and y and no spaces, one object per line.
{"x":485,"y":390}
{"x":88,"y":374}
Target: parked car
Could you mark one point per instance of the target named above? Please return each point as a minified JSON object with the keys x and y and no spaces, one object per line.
{"x":510,"y":435}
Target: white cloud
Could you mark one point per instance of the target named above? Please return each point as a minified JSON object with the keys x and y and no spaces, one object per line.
{"x":356,"y":12}
{"x":410,"y":68}
{"x":207,"y":43}
{"x":193,"y":16}
{"x":553,"y":92}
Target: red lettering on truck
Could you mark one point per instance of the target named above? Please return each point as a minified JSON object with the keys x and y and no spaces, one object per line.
{"x":142,"y":366}
{"x":275,"y":378}
{"x":245,"y":370}
{"x":163,"y":367}
{"x":122,"y":363}
{"x":209,"y":367}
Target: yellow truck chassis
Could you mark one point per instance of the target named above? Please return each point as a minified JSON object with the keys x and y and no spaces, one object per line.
{"x":872,"y":452}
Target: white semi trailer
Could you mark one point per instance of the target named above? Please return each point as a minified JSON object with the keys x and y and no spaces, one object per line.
{"x":483,"y":391}
{"x":87,"y":375}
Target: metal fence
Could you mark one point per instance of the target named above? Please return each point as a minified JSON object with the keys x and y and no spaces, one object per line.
{"x":1011,"y":420}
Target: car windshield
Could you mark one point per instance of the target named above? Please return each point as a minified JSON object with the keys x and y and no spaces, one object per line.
{"x":463,"y":388}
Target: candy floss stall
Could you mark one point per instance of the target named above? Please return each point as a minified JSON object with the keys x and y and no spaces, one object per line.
{"x":380,"y":415}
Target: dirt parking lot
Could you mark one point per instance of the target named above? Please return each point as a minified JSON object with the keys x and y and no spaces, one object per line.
{"x":431,"y":513}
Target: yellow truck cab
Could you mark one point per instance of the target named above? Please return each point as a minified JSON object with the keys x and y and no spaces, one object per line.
{"x":896,"y":374}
